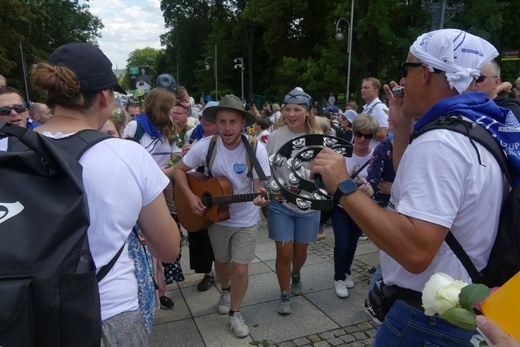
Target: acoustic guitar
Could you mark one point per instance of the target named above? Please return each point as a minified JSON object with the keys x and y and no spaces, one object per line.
{"x":216,"y":194}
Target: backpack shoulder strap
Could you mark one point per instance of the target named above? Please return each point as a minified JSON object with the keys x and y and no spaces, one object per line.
{"x":477,"y":133}
{"x":212,"y":153}
{"x":192,"y":137}
{"x":139,"y":132}
{"x":80,"y":142}
{"x":251,"y":150}
{"x":75,"y":146}
{"x":371,"y":109}
{"x":252,"y":142}
{"x":104,"y":270}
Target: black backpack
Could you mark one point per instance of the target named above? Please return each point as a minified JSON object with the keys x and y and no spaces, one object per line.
{"x":504,"y":260}
{"x":48,"y":283}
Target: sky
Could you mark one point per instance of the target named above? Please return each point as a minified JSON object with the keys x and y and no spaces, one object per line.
{"x":129,"y":25}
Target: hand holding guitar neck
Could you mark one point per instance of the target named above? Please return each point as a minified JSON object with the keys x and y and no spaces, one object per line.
{"x":262,"y":199}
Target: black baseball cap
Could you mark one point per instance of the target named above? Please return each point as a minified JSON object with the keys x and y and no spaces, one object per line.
{"x":89,"y":63}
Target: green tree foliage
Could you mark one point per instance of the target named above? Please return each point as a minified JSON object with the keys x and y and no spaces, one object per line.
{"x":40,"y":26}
{"x":145,"y":57}
{"x":497,"y":22}
{"x":288,"y":43}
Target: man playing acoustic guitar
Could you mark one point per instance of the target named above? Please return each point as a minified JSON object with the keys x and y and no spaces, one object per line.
{"x":232,"y":240}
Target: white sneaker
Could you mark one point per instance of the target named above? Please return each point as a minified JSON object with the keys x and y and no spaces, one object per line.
{"x":363,"y":237}
{"x":341,"y":289}
{"x":238,"y":325}
{"x":349,"y":282}
{"x":224,"y":302}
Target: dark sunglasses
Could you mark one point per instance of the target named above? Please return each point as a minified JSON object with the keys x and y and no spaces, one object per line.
{"x":366,"y":136}
{"x":482,"y":78}
{"x":6,"y":111}
{"x":406,"y":65}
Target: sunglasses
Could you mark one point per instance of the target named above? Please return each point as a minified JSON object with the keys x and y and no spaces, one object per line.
{"x":366,"y":136}
{"x":6,"y":111}
{"x":482,"y":78}
{"x":406,"y":65}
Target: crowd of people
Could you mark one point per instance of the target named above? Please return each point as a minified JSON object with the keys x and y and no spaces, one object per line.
{"x":388,"y":191}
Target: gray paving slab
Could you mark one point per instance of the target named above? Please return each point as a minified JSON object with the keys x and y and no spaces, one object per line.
{"x":319,"y":317}
{"x":344,"y":311}
{"x":269,"y":325}
{"x":262,"y":288}
{"x":184,"y":332}
{"x":216,"y":332}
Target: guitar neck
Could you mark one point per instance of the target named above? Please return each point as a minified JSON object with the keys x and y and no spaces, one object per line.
{"x":231,"y":199}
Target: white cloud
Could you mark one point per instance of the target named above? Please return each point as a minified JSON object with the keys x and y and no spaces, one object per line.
{"x":129,"y":25}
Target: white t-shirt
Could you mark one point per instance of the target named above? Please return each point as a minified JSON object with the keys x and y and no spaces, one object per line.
{"x":160,"y":149}
{"x":263,"y":136}
{"x":355,"y":162}
{"x":120,"y":178}
{"x":440,"y":180}
{"x":233,"y":165}
{"x":376,"y":108}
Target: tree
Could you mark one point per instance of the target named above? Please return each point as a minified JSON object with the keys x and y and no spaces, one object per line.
{"x":290,"y":43}
{"x":34,"y":25}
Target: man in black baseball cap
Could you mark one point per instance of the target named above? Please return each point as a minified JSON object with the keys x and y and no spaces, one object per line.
{"x":89,"y":63}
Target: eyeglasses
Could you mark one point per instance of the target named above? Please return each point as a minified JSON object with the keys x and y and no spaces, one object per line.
{"x":6,"y":111}
{"x":366,"y":136}
{"x":406,"y":64}
{"x":483,"y":77}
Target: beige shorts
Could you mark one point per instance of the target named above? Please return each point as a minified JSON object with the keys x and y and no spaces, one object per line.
{"x":232,"y":244}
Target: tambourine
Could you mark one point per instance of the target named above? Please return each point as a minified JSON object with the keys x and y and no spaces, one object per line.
{"x":304,"y":193}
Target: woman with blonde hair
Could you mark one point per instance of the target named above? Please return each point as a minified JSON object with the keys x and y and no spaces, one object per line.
{"x":79,"y":81}
{"x":290,"y":228}
{"x":157,"y":133}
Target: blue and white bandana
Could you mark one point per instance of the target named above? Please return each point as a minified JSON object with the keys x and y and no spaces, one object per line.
{"x":298,"y":97}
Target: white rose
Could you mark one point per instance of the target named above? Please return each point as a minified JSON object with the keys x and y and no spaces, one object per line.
{"x":441,"y":293}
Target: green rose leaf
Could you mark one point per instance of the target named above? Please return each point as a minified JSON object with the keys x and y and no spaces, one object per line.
{"x":460,"y":317}
{"x":472,"y":294}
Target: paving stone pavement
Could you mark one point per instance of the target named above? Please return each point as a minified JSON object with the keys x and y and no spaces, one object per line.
{"x":319,"y":317}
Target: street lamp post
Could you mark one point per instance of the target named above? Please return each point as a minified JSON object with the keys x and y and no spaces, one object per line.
{"x":339,"y":37}
{"x":239,"y":64}
{"x":214,"y":70}
{"x":24,"y":70}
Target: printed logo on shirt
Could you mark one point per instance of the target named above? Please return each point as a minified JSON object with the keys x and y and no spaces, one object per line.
{"x":239,"y":168}
{"x":9,"y":210}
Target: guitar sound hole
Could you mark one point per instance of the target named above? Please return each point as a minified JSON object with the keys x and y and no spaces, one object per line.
{"x":207,"y":201}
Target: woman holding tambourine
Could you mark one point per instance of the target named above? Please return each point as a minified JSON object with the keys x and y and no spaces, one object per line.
{"x":289,"y":226}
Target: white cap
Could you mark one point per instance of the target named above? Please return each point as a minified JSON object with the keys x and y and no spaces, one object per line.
{"x":350,"y":115}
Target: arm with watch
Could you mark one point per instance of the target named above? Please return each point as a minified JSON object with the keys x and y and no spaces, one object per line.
{"x":410,"y":241}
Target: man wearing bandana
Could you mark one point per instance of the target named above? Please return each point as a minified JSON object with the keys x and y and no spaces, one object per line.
{"x":440,"y":184}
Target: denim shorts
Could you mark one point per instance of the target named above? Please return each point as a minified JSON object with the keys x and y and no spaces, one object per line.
{"x":286,"y":225}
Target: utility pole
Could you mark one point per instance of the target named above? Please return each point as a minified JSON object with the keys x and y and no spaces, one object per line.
{"x":239,"y":64}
